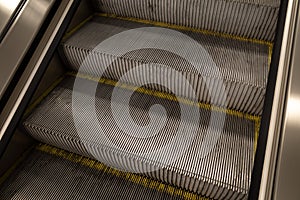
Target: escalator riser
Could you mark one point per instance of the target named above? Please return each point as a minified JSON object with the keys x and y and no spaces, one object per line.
{"x":226,"y":168}
{"x":245,"y":18}
{"x":242,"y":66}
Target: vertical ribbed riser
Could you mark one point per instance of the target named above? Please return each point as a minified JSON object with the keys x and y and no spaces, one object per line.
{"x":224,"y":172}
{"x":243,"y":98}
{"x":251,"y":19}
{"x":242,"y":66}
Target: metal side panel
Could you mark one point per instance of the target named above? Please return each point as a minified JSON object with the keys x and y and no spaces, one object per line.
{"x":8,"y":11}
{"x":20,"y":36}
{"x":271,"y":130}
{"x":57,"y":22}
{"x":288,"y":164}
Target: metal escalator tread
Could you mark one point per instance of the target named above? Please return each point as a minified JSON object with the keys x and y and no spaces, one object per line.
{"x":238,"y":17}
{"x":223,"y":174}
{"x":243,"y":65}
{"x":50,"y":173}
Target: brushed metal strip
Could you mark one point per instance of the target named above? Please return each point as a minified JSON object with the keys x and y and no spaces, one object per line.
{"x":288,"y":164}
{"x":278,"y":104}
{"x":34,"y":64}
{"x":19,"y":38}
{"x":7,"y":12}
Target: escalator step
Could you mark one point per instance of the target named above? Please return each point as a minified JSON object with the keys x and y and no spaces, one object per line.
{"x":223,"y":173}
{"x":51,"y":173}
{"x":242,"y":65}
{"x":247,"y":18}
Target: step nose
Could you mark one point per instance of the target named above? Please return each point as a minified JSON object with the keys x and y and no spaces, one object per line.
{"x":235,"y":70}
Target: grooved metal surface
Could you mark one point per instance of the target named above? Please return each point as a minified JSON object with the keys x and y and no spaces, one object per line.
{"x":243,"y":65}
{"x":45,"y":176}
{"x":223,"y":174}
{"x":246,"y":18}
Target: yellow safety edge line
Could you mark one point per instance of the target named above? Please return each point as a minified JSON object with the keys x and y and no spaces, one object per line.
{"x":165,"y":96}
{"x":269,"y":44}
{"x":43,"y":95}
{"x":254,"y":118}
{"x":256,"y":135}
{"x":171,"y":97}
{"x":135,"y":178}
{"x":270,"y":51}
{"x":173,"y":26}
{"x":4,"y":177}
{"x":224,"y":35}
{"x":185,"y":28}
{"x":159,"y":94}
{"x":162,"y":24}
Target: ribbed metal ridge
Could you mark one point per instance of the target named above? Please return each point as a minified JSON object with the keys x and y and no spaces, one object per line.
{"x":224,"y":173}
{"x":243,"y":65}
{"x":246,"y":18}
{"x":46,"y":176}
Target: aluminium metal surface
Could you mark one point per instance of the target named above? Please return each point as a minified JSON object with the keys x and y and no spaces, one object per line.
{"x":19,"y":38}
{"x":14,"y":101}
{"x":51,"y":173}
{"x":245,"y":18}
{"x":7,"y":12}
{"x":288,"y":164}
{"x":52,"y":122}
{"x":242,"y":66}
{"x":277,"y":112}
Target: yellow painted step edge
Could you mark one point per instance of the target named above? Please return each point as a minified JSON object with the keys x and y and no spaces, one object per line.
{"x":185,"y":28}
{"x":178,"y":27}
{"x":135,"y":178}
{"x":44,"y":94}
{"x":171,"y":97}
{"x":165,"y":96}
{"x":159,"y":94}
